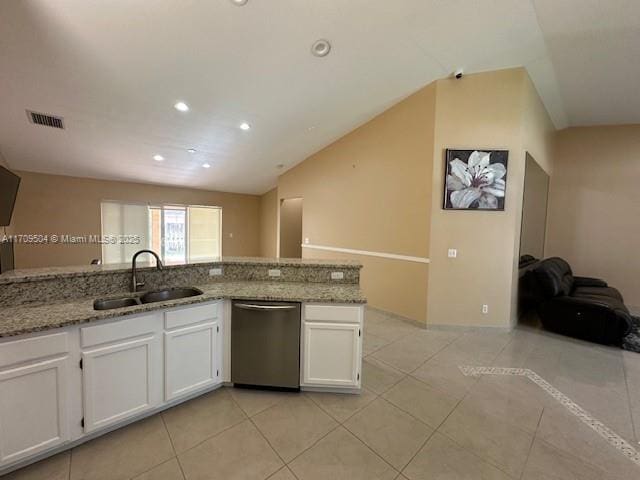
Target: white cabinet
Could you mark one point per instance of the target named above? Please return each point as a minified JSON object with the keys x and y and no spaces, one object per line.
{"x":33,"y":396}
{"x":331,"y":346}
{"x":191,"y":359}
{"x":121,"y":370}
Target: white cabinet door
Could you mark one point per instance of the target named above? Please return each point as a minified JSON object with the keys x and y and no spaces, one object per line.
{"x":331,"y":354}
{"x":118,"y":381}
{"x":33,"y":408}
{"x":191,"y":359}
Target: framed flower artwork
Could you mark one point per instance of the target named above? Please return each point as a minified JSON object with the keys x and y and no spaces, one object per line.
{"x":475,"y":179}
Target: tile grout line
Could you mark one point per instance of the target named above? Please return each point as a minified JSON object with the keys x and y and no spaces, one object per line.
{"x":464,"y":396}
{"x":260,"y":432}
{"x":173,"y":447}
{"x":70,"y":458}
{"x":626,"y":383}
{"x":533,"y":440}
{"x":600,"y":428}
{"x":375,"y":397}
{"x":371,"y":449}
{"x":437,"y":430}
{"x":211,"y":436}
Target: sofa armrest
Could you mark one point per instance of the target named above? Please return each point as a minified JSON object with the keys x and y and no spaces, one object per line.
{"x":589,"y":282}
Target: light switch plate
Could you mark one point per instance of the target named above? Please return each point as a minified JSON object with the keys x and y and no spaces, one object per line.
{"x":337,"y":275}
{"x":215,"y":272}
{"x":453,"y":253}
{"x":274,"y":272}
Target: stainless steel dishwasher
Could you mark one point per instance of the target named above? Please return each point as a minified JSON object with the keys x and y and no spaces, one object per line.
{"x":265,"y":344}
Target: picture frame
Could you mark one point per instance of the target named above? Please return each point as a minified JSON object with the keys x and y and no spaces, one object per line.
{"x":475,"y":179}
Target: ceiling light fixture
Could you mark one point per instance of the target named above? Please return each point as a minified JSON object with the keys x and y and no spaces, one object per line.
{"x":239,"y":2}
{"x":206,"y":165}
{"x":181,"y":107}
{"x":158,"y":158}
{"x":191,"y":150}
{"x":321,"y":48}
{"x":245,"y":126}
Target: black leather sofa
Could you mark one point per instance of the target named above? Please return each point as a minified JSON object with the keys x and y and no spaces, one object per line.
{"x":580,"y":307}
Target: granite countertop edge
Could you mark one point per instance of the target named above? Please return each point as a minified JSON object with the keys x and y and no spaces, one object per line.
{"x":30,"y":318}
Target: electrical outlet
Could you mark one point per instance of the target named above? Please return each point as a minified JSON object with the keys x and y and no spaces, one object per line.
{"x":231,"y":235}
{"x":337,"y":275}
{"x":306,"y":240}
{"x":452,"y":253}
{"x":485,"y":309}
{"x":274,"y":272}
{"x":215,"y":272}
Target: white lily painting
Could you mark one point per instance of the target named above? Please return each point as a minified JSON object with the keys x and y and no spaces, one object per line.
{"x":476,"y":179}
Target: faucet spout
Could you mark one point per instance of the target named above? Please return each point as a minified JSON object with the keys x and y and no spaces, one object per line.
{"x":134,"y":280}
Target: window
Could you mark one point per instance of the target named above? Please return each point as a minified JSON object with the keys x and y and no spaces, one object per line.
{"x":178,"y":233}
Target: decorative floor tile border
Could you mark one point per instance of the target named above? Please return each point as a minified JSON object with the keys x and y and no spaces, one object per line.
{"x":600,"y":428}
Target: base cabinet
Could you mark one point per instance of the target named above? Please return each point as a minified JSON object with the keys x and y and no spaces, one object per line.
{"x":117,"y":382}
{"x":33,"y":397}
{"x":332,"y":354}
{"x":191,"y":359}
{"x":331,"y":346}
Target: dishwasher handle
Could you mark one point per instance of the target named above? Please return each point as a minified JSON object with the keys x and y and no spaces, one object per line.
{"x":251,"y":306}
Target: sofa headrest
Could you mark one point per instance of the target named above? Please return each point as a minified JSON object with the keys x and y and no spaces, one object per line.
{"x":555,"y":277}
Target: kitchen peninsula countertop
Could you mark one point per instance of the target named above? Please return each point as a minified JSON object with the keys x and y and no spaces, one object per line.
{"x":46,"y":273}
{"x":28,"y":318}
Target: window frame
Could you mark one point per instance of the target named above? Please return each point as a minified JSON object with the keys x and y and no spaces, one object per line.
{"x":162,"y":207}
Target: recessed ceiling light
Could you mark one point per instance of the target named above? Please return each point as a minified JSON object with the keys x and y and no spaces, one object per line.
{"x":206,"y":165}
{"x":321,"y":48}
{"x":191,"y":150}
{"x":239,"y":2}
{"x":181,"y":107}
{"x":158,"y":158}
{"x":245,"y":126}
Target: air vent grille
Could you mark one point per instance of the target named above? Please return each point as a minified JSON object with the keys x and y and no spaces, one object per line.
{"x":45,"y":120}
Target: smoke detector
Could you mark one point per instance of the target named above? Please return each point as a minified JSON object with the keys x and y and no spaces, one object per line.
{"x":321,"y":48}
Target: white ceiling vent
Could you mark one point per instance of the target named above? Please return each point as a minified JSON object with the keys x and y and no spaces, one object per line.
{"x":46,"y":120}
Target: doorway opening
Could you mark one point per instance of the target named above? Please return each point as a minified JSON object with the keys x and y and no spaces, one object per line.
{"x":291,"y":228}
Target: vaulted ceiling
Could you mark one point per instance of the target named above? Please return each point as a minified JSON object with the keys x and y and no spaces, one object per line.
{"x":114,"y":70}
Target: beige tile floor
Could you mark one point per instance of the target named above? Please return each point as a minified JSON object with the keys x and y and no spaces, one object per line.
{"x":417,"y":418}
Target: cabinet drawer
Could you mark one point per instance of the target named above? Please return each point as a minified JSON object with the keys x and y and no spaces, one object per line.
{"x":333,"y":313}
{"x":119,"y":330}
{"x":191,"y":315}
{"x":27,"y":349}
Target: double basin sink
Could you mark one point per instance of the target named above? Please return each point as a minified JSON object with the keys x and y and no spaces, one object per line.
{"x":149,"y":297}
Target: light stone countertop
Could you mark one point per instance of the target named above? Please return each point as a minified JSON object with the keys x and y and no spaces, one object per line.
{"x":33,"y":274}
{"x":30,"y":318}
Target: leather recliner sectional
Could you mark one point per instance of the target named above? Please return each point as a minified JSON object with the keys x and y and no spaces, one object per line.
{"x":580,"y":307}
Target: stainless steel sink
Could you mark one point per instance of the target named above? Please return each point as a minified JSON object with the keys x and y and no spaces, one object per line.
{"x":110,"y":303}
{"x":149,"y":297}
{"x":170,"y":294}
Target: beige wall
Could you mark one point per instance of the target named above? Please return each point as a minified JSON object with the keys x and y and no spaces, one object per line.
{"x":494,"y":110}
{"x":291,"y":228}
{"x":534,"y":209}
{"x":50,"y":204}
{"x":370,"y":190}
{"x":269,"y":224}
{"x":594,"y":205}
